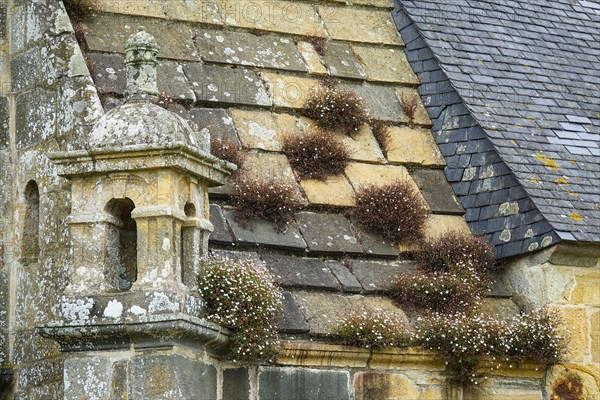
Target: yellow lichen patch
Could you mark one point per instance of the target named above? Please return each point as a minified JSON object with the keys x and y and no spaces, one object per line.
{"x":530,"y":117}
{"x":548,"y":162}
{"x":576,"y":217}
{"x":534,"y":179}
{"x":573,"y":161}
{"x":574,"y":194}
{"x":561,"y":181}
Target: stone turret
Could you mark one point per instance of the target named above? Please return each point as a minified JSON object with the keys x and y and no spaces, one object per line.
{"x":139,"y":223}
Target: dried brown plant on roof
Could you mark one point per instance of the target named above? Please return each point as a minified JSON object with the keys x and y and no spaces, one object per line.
{"x":228,"y":150}
{"x":381,"y":132}
{"x":316,"y":155}
{"x":410,"y":102}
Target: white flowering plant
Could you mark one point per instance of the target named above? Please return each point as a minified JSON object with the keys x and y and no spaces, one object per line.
{"x":372,"y":328}
{"x":242,"y":295}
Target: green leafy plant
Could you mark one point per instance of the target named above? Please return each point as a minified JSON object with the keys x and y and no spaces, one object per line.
{"x":395,"y":211}
{"x":269,"y":200}
{"x":335,"y":109}
{"x":372,"y":329}
{"x":452,"y":249}
{"x":242,"y":296}
{"x":316,"y":155}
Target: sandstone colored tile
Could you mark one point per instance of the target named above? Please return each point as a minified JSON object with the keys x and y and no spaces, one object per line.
{"x":311,"y":58}
{"x":289,"y":91}
{"x":272,"y":15}
{"x":374,"y":3}
{"x":270,"y":166}
{"x":141,"y":8}
{"x":376,"y":385}
{"x":362,"y":174}
{"x":205,"y":11}
{"x":385,"y":64}
{"x":323,"y":311}
{"x":263,"y":129}
{"x":595,"y":335}
{"x":502,"y":309}
{"x":360,"y":25}
{"x":437,"y":224}
{"x":413,"y":146}
{"x":243,"y":48}
{"x":421,"y":116}
{"x":335,"y":191}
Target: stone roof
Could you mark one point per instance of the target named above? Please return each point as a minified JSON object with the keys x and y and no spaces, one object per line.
{"x":243,"y":78}
{"x":512,"y":89}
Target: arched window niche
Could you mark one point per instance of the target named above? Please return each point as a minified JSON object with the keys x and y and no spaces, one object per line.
{"x":190,"y":247}
{"x":30,"y":245}
{"x":122,"y":244}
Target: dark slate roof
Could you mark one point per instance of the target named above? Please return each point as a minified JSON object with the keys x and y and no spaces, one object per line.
{"x":512,"y":88}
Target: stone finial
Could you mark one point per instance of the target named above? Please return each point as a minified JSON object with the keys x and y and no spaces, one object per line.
{"x":140,"y":58}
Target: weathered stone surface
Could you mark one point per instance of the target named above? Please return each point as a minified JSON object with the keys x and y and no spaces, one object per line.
{"x":276,"y":16}
{"x":108,"y":72}
{"x":587,"y":287}
{"x":376,"y":245}
{"x":87,"y":378}
{"x":348,"y":281}
{"x":385,"y":64}
{"x":251,"y":50}
{"x":214,"y":122}
{"x":421,"y":117}
{"x":378,"y":276}
{"x":236,"y":384}
{"x":24,"y":70}
{"x":366,"y":25}
{"x":311,"y":58}
{"x":213,"y":83}
{"x":413,"y":146}
{"x":292,"y":320}
{"x":35,"y":117}
{"x":595,"y":335}
{"x":155,"y":377}
{"x":108,"y":33}
{"x":263,"y":232}
{"x":437,"y":191}
{"x":145,"y":8}
{"x":323,"y":311}
{"x":300,"y":272}
{"x":334,"y":191}
{"x":289,"y":91}
{"x":578,"y":382}
{"x":302,"y":384}
{"x":270,"y":166}
{"x":327,"y":233}
{"x":172,"y":82}
{"x":4,"y":133}
{"x":362,"y":175}
{"x":499,"y":308}
{"x":221,"y":233}
{"x":575,"y":318}
{"x":205,"y":11}
{"x":263,"y":129}
{"x":379,"y":386}
{"x":437,"y":225}
{"x":341,"y":61}
{"x":381,"y":101}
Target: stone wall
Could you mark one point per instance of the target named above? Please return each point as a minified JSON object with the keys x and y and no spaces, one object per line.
{"x":566,"y":277}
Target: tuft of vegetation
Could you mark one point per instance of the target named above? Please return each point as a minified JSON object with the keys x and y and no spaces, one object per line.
{"x":316,"y":155}
{"x":448,"y":292}
{"x":451,"y":249}
{"x":80,"y":10}
{"x":336,"y":109}
{"x":243,"y":297}
{"x":395,"y":211}
{"x":228,"y":150}
{"x":269,"y":200}
{"x":410,"y":102}
{"x":372,"y":329}
{"x":463,"y":338}
{"x":381,"y":132}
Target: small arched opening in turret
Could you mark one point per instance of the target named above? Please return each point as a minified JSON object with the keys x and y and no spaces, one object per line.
{"x":122,"y":243}
{"x":30,"y":248}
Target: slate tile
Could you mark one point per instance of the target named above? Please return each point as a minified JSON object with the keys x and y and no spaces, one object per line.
{"x":108,"y":72}
{"x":328,"y":233}
{"x":292,"y":320}
{"x":259,"y":232}
{"x":348,"y":281}
{"x":214,"y":122}
{"x":341,"y":61}
{"x":213,"y":83}
{"x":375,"y":245}
{"x":378,"y":276}
{"x":300,"y":272}
{"x":221,"y":233}
{"x":437,"y":191}
{"x":172,"y":82}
